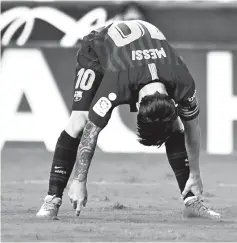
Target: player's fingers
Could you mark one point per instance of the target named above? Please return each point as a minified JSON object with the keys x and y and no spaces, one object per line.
{"x":78,"y":208}
{"x":201,"y":190}
{"x":85,"y":201}
{"x":197,"y":193}
{"x":185,"y":191}
{"x":74,"y":204}
{"x":200,"y":197}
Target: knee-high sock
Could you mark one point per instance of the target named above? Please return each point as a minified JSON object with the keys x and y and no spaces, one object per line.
{"x":178,"y":159}
{"x":63,"y":162}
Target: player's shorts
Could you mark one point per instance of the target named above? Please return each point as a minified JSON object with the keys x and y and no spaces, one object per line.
{"x":87,"y":81}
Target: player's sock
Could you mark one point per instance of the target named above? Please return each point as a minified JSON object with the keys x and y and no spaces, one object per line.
{"x":178,"y":159}
{"x":63,"y":163}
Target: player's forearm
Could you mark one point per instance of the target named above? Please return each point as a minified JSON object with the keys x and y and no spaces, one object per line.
{"x":192,"y":142}
{"x":86,"y":151}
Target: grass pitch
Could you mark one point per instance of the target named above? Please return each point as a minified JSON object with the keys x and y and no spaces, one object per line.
{"x":131,"y":198}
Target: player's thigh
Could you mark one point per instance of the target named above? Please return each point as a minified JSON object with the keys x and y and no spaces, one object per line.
{"x":76,"y":123}
{"x":178,"y":125}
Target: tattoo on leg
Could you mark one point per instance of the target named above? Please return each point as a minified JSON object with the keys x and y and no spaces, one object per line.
{"x":86,"y":151}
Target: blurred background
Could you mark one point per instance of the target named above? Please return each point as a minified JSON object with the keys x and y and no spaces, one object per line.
{"x":133,"y":195}
{"x":39,"y":42}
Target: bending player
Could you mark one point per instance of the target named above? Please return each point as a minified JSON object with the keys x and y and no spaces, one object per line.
{"x":130,"y":62}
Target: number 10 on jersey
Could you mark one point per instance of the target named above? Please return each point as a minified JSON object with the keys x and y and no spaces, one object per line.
{"x":85,"y":79}
{"x":125,"y":32}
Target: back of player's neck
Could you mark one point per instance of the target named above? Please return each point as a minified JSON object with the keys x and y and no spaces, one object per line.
{"x":151,"y":88}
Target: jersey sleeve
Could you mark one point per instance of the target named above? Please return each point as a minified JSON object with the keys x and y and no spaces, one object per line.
{"x":186,"y":96}
{"x":189,"y":109}
{"x":100,"y":111}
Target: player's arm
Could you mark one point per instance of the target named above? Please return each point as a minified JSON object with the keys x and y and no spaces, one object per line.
{"x":78,"y":191}
{"x":86,"y":151}
{"x":192,"y":141}
{"x":189,"y":112}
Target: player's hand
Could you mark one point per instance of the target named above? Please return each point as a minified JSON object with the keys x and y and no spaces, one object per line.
{"x":193,"y":184}
{"x":78,"y":195}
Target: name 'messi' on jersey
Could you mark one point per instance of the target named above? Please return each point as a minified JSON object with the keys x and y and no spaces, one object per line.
{"x":148,"y":54}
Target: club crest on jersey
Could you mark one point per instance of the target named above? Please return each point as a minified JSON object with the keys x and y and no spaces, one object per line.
{"x":148,"y":54}
{"x":102,"y":106}
{"x":78,"y":95}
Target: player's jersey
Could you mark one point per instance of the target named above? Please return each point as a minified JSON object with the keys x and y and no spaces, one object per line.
{"x":126,"y":44}
{"x":132,"y":54}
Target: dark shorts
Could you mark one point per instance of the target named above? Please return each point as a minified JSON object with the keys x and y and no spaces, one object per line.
{"x":87,"y":82}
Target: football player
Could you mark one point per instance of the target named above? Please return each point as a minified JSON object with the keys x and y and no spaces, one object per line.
{"x":129,"y":62}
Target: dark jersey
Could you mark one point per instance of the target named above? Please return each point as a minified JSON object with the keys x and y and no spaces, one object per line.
{"x":132,"y":54}
{"x":126,"y":44}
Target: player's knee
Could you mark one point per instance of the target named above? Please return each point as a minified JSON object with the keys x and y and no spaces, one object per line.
{"x":76,"y":123}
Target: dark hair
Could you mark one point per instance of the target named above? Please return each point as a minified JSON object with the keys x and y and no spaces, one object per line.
{"x":155,"y":118}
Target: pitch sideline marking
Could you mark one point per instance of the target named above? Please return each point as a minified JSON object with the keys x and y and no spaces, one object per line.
{"x":232,"y":185}
{"x":95,"y":183}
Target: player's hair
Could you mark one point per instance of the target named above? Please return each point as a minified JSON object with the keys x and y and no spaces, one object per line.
{"x":155,"y":118}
